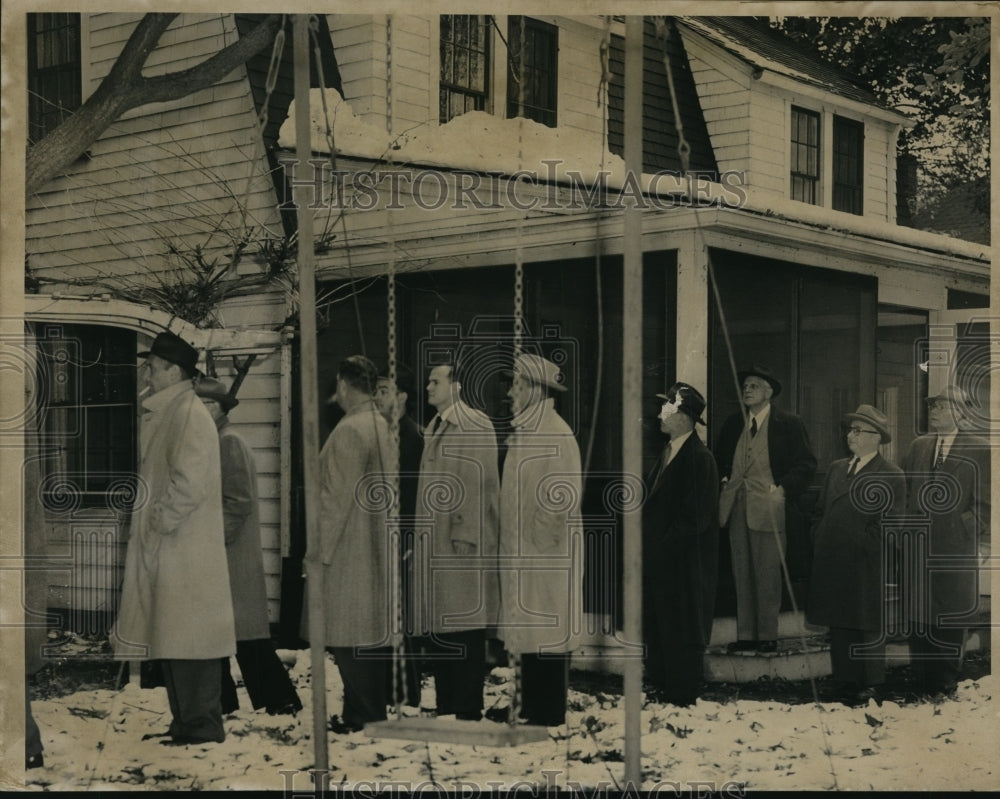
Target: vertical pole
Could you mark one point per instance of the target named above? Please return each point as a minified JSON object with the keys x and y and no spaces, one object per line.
{"x":632,"y":399}
{"x":310,"y":405}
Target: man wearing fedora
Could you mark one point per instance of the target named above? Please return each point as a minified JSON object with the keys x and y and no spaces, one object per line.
{"x":947,"y":480}
{"x":848,"y":583}
{"x":541,"y":591}
{"x":766,"y":463}
{"x":176,"y":605}
{"x":680,"y":551}
{"x":265,"y":678}
{"x":455,"y":561}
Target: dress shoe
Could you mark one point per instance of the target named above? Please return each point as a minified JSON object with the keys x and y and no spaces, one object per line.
{"x":501,"y":715}
{"x":742,"y":645}
{"x":285,"y":710}
{"x":340,"y":727}
{"x":34,"y":761}
{"x":184,"y":740}
{"x":767,"y":647}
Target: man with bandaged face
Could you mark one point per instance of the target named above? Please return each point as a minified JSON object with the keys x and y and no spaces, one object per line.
{"x":680,"y":547}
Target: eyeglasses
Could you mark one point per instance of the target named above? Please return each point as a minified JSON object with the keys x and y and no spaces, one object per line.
{"x":859,"y":430}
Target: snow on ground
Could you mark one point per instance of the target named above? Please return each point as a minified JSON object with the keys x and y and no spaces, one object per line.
{"x":93,"y":741}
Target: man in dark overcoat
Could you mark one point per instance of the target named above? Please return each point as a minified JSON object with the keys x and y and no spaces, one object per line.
{"x":847,"y":588}
{"x":766,"y":464}
{"x":680,"y":547}
{"x":947,"y":481}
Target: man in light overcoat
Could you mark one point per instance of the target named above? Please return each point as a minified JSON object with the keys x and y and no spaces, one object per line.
{"x":541,"y":574}
{"x":455,"y":548}
{"x":355,"y":471}
{"x":176,"y":605}
{"x":848,"y":585}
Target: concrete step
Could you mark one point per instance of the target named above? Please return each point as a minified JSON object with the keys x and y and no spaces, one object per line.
{"x":797,"y":658}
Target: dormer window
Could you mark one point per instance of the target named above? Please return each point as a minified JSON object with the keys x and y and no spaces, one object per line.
{"x":805,"y":156}
{"x":848,"y":164}
{"x":830,"y":175}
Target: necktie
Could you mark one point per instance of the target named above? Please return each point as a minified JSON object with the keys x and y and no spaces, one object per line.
{"x":940,"y":453}
{"x":753,"y":427}
{"x":436,"y":426}
{"x":853,"y":467}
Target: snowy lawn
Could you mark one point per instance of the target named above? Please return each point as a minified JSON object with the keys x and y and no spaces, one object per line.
{"x":93,"y":741}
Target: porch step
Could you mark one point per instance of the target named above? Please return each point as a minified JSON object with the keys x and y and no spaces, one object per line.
{"x":796,"y":659}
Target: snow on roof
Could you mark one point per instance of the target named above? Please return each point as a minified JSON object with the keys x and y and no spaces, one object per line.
{"x":485,"y":143}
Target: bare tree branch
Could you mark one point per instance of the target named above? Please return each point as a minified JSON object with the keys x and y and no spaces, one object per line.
{"x":124,"y":88}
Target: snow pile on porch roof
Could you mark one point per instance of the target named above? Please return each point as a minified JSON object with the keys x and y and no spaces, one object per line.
{"x":475,"y":141}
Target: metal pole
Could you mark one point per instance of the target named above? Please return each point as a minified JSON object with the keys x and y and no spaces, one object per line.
{"x":310,"y":405}
{"x":632,"y":399}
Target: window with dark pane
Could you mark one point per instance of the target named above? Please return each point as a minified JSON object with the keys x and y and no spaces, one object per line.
{"x":54,"y":72}
{"x":465,"y":58}
{"x":87,"y":378}
{"x":805,"y":156}
{"x":533,"y":56}
{"x":848,"y":165}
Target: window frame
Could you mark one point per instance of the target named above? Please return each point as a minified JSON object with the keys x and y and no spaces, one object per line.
{"x":72,"y":473}
{"x":545,"y":114}
{"x":450,"y":88}
{"x":48,"y":107}
{"x":798,"y":179}
{"x":843,"y":129}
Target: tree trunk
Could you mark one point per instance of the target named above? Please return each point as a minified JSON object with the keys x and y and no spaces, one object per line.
{"x":124,"y":88}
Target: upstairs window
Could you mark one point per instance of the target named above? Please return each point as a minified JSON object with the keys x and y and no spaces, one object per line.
{"x":88,"y":378}
{"x":54,"y":71}
{"x":465,"y":64}
{"x":805,"y":156}
{"x":534,"y":67}
{"x":848,"y":164}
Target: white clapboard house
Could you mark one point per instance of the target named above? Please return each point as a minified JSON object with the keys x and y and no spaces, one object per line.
{"x":460,"y":151}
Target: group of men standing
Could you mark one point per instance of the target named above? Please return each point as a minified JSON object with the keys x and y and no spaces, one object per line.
{"x":483,"y":554}
{"x":478,"y":554}
{"x":936,"y":508}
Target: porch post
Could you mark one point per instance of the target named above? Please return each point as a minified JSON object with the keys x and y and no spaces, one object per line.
{"x":310,"y":409}
{"x":691,"y":347}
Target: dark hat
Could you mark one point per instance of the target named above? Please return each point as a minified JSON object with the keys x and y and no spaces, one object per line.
{"x":759,"y":370}
{"x":951,"y":393}
{"x":691,"y":401}
{"x":873,"y":416}
{"x":173,"y":348}
{"x":537,"y":369}
{"x":210,"y":388}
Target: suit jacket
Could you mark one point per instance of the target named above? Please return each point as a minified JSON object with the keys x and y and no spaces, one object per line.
{"x":457,"y":500}
{"x":789,"y":453}
{"x":847,"y":588}
{"x":680,"y":539}
{"x":958,"y":512}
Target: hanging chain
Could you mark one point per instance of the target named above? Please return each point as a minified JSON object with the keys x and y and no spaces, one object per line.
{"x":515,"y":698}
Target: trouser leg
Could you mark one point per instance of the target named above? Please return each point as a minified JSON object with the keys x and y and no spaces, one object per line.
{"x":227,"y":696}
{"x":363,"y":675}
{"x":194,"y":691}
{"x":743,"y":575}
{"x":32,"y":735}
{"x":766,"y":550}
{"x":265,"y":676}
{"x":937,"y":657}
{"x":458,"y":663}
{"x":544,"y":681}
{"x":855,"y":658}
